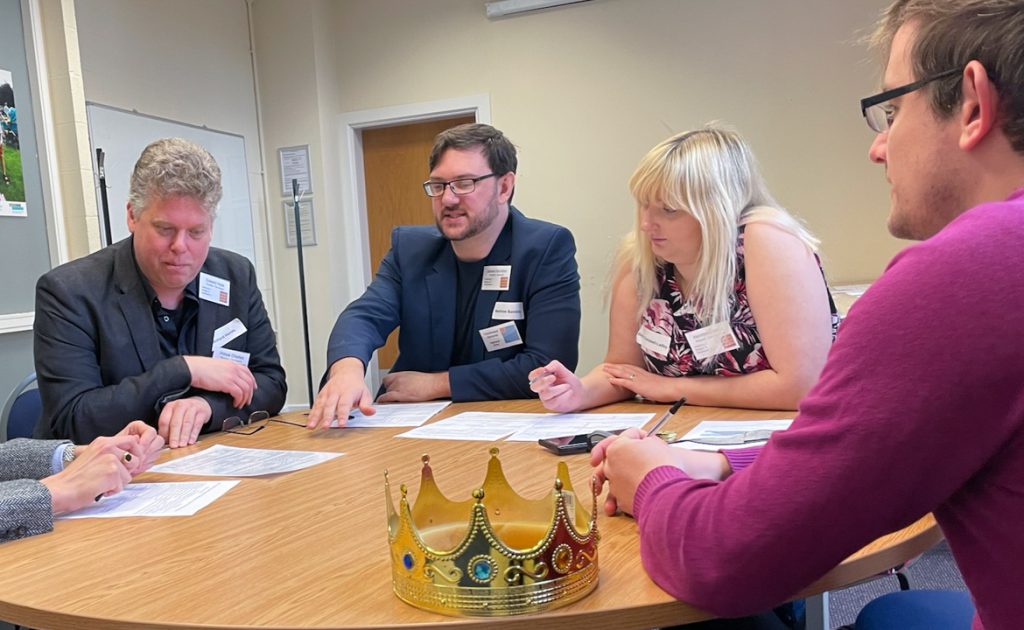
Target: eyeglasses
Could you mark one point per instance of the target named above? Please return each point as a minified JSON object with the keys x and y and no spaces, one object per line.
{"x":878,"y":115}
{"x":255,"y":423}
{"x":459,"y":186}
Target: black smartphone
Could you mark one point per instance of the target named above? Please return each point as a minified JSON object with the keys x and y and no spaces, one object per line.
{"x":572,"y":444}
{"x":567,"y":445}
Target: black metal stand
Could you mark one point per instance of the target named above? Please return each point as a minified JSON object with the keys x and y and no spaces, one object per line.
{"x":103,"y":196}
{"x":302,"y":287}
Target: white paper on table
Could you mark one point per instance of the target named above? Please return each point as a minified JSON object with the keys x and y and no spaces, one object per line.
{"x":562,"y":424}
{"x":231,"y":461}
{"x":474,"y":425}
{"x":395,"y":415}
{"x":855,"y":290}
{"x":728,"y":428}
{"x":178,"y":498}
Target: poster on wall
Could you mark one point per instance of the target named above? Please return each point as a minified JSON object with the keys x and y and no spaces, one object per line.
{"x":12,"y":184}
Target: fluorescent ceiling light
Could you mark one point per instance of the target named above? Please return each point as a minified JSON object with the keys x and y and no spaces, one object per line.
{"x":500,"y":8}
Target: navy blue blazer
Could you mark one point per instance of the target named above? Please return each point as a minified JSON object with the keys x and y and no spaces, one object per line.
{"x":97,"y":351}
{"x":415,"y":288}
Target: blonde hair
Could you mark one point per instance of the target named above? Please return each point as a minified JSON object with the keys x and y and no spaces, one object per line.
{"x":711,"y":174}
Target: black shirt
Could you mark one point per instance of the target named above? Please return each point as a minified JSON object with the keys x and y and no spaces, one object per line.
{"x":175,"y":328}
{"x":469,"y":278}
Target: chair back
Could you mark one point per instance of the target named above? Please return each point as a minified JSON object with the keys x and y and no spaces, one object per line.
{"x":21,"y":411}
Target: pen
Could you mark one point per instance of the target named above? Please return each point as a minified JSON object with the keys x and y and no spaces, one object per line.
{"x":665,"y":416}
{"x":537,"y":378}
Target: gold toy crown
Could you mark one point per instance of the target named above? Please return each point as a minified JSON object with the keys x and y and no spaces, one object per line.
{"x":510,"y":556}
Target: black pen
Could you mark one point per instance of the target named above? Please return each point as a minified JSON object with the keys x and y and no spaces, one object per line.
{"x":665,"y":416}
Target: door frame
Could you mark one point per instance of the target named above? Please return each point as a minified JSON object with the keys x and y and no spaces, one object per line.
{"x":354,"y":265}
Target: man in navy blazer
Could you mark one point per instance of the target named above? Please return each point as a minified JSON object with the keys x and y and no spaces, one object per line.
{"x":481,"y":299}
{"x":159,"y":327}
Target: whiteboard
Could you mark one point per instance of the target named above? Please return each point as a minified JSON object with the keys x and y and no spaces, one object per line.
{"x":124,"y":134}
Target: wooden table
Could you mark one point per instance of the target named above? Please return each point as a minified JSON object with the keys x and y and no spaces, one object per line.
{"x":309,"y":549}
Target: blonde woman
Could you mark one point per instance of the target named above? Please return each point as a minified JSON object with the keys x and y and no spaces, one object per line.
{"x":718,"y":294}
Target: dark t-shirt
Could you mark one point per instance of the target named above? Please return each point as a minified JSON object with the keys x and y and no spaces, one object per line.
{"x":469,"y":277}
{"x":175,"y":329}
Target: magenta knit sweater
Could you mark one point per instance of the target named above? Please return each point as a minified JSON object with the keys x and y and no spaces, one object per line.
{"x":920,"y":408}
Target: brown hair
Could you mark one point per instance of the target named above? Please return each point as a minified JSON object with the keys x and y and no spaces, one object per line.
{"x":953,"y":32}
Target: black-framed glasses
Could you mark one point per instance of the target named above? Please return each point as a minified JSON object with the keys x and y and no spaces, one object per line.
{"x":878,"y":116}
{"x":255,"y":423}
{"x":462,"y":186}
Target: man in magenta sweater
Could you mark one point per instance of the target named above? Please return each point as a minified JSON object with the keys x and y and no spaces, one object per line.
{"x":920,"y":407}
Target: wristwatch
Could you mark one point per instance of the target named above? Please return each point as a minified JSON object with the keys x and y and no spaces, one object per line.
{"x":68,"y":455}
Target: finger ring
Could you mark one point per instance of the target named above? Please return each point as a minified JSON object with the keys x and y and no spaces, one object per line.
{"x":127,"y":456}
{"x":632,"y":376}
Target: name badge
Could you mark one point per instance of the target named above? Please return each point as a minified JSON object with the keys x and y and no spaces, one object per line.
{"x":508,"y":310}
{"x":235,"y":356}
{"x":231,"y":330}
{"x":496,"y":278}
{"x":214,"y":289}
{"x":653,"y":342}
{"x":711,"y":340}
{"x":503,"y":335}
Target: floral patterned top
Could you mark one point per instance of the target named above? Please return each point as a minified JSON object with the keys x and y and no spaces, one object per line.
{"x":670,"y":317}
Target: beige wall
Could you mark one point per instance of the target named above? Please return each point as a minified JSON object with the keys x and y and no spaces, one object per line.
{"x":296,"y":76}
{"x":584,"y":91}
{"x":186,"y":61}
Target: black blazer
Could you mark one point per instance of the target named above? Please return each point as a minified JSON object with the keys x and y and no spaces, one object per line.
{"x":97,"y":352}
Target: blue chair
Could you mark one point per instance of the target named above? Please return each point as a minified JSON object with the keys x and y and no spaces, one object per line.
{"x":22,"y":410}
{"x":918,"y":610}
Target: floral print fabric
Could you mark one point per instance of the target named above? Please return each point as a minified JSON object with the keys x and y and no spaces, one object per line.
{"x":670,"y":316}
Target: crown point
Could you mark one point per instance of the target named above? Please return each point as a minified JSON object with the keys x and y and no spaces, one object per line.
{"x":558,"y":485}
{"x":425,"y":459}
{"x":404,"y":489}
{"x":478,"y":494}
{"x":494,"y":451}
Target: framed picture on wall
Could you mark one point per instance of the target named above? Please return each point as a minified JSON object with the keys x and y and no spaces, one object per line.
{"x":294,"y":163}
{"x":12,"y":181}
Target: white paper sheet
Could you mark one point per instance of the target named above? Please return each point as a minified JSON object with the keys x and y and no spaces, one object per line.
{"x":523,"y":427}
{"x":728,"y":428}
{"x":474,"y":425}
{"x":396,"y":415}
{"x":856,"y":290}
{"x":180,"y":498}
{"x":230,"y":461}
{"x":558,"y":425}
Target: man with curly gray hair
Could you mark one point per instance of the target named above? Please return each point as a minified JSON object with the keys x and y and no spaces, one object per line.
{"x":161,"y":326}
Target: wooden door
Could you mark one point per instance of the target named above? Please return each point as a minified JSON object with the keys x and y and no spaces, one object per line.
{"x":395,"y":167}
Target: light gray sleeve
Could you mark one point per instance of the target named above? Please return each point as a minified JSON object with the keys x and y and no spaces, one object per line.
{"x":25,"y":504}
{"x":27,"y":459}
{"x":25,"y":509}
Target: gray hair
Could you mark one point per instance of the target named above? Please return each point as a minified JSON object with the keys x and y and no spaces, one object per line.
{"x":171,"y":167}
